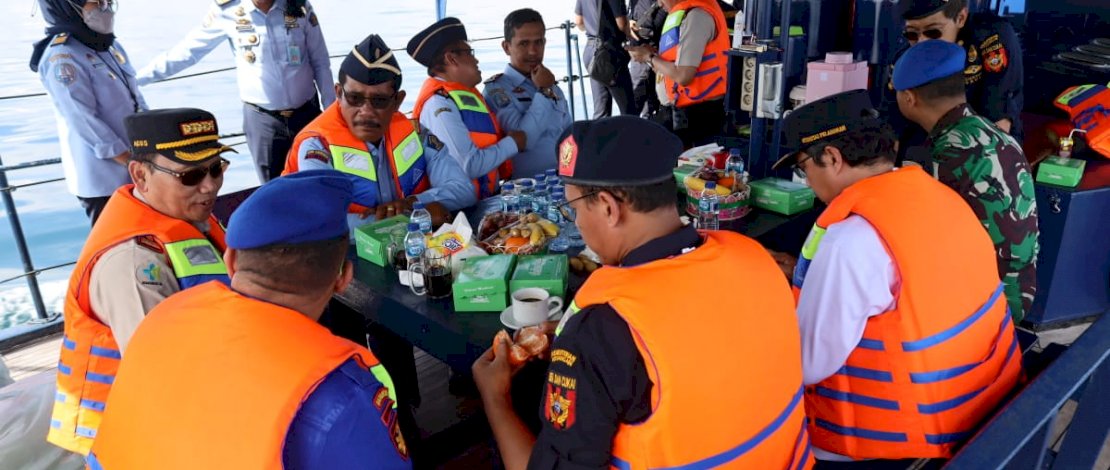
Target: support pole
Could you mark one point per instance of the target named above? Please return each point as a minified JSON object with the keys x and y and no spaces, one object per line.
{"x":570,"y":69}
{"x":21,"y":245}
{"x":581,"y":77}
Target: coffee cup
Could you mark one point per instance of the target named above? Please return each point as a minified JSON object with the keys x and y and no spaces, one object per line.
{"x":532,"y":306}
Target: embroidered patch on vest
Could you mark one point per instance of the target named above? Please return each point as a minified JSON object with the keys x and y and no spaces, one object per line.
{"x":389,"y":418}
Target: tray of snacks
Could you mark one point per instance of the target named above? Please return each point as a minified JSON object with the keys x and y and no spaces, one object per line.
{"x":502,"y":232}
{"x":735,"y":196}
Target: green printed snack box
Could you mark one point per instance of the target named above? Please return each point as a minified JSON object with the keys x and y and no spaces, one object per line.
{"x":782,"y":196}
{"x":372,"y":240}
{"x":548,"y":272}
{"x":483,"y":284}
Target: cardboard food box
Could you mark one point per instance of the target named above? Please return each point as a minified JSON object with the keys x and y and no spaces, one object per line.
{"x":1061,"y":171}
{"x":483,"y":284}
{"x":548,"y":272}
{"x":782,"y":196}
{"x":372,"y":240}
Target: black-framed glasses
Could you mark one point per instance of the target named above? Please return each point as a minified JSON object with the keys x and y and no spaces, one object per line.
{"x":568,"y":212}
{"x":377,"y":102}
{"x":194,"y":176}
{"x":913,"y":36}
{"x":798,"y":166}
{"x":467,"y":51}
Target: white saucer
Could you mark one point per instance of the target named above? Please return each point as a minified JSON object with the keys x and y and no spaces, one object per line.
{"x":507,"y":318}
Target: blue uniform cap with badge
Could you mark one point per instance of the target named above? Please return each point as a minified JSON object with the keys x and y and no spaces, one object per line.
{"x":185,"y":135}
{"x":617,"y":151}
{"x":826,"y":119}
{"x":303,"y":207}
{"x":429,"y":43}
{"x":917,"y":9}
{"x":927,"y":62}
{"x":371,"y":62}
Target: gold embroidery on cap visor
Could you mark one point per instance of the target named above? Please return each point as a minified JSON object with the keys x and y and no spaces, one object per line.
{"x":201,"y":154}
{"x":823,"y":134}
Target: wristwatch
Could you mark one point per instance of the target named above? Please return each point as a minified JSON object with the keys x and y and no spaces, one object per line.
{"x":548,"y":92}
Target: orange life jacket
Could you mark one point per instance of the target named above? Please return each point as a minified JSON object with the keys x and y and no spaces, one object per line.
{"x":479,"y":120}
{"x":90,"y":355}
{"x":710,"y":80}
{"x":714,"y":402}
{"x":927,"y":372}
{"x":213,"y":379}
{"x":349,"y":154}
{"x":1089,"y":107}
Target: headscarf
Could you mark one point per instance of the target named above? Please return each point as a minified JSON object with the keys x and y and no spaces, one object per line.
{"x":64,"y":16}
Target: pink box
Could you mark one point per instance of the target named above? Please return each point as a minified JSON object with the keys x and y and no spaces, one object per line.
{"x":836,"y":74}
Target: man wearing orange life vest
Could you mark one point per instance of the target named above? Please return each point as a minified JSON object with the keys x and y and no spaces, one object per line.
{"x":907,"y":343}
{"x":455,"y":111}
{"x":692,"y":63}
{"x":648,"y":369}
{"x":243,"y":376}
{"x":154,"y":238}
{"x":392,"y":162}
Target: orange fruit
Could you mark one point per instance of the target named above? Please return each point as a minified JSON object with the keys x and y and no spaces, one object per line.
{"x":513,"y":244}
{"x":726,"y":181}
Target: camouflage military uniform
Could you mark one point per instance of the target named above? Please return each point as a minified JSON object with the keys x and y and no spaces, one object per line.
{"x":988,"y":169}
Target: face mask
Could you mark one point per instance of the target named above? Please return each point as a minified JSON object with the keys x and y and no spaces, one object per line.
{"x":99,"y":20}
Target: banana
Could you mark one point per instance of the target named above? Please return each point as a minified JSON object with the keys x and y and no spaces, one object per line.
{"x":694,"y":184}
{"x":536,"y":238}
{"x":723,"y":191}
{"x":548,"y":227}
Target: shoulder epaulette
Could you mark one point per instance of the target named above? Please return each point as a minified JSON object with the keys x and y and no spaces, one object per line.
{"x":493,"y":78}
{"x":223,"y":3}
{"x":60,"y":39}
{"x":150,"y":243}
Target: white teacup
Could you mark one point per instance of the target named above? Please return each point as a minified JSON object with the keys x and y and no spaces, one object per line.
{"x":532,"y":306}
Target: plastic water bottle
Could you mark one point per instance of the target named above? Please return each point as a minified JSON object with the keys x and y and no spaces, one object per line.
{"x":540,"y":199}
{"x":736,"y":167}
{"x":708,"y":208}
{"x":510,"y":203}
{"x":422,"y":217}
{"x":414,"y":244}
{"x":524,"y":193}
{"x":553,"y":214}
{"x":551,"y":177}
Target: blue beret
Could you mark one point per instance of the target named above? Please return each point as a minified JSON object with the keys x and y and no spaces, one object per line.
{"x":303,"y":207}
{"x":927,"y":62}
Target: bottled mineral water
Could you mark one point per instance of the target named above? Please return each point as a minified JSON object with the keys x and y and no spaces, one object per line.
{"x":524,"y":194}
{"x":736,"y":168}
{"x":509,"y":201}
{"x":414,"y":244}
{"x":540,"y":199}
{"x":709,"y":208}
{"x":422,"y":217}
{"x":557,"y":198}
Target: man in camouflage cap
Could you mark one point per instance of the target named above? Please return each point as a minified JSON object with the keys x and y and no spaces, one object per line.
{"x":984,"y":164}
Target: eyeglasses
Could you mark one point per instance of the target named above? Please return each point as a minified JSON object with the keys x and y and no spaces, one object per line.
{"x":913,"y":36}
{"x":467,"y":51}
{"x":194,"y":176}
{"x":568,"y":212}
{"x":798,"y":166}
{"x":377,"y":102}
{"x":104,"y":5}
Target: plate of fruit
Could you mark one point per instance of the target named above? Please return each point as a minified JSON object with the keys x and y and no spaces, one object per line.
{"x":734,"y":195}
{"x":526,"y":234}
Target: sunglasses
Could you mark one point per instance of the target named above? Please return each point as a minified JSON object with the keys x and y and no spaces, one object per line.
{"x":377,"y":102}
{"x":467,"y":51}
{"x":568,"y":212}
{"x":194,"y":176}
{"x":913,"y":36}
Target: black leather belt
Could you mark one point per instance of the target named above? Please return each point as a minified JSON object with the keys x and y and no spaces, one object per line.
{"x":285,"y":113}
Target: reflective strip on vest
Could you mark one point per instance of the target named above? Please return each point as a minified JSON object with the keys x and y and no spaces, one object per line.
{"x":809,"y":250}
{"x":670,"y":36}
{"x":195,"y":257}
{"x":734,"y":453}
{"x":354,"y":162}
{"x":571,"y":311}
{"x":407,"y":153}
{"x":382,"y":375}
{"x":474,"y":112}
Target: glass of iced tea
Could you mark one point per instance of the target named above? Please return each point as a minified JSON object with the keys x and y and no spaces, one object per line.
{"x":435,"y":267}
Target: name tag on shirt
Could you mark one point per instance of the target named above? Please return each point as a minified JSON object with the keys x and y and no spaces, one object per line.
{"x":294,"y":54}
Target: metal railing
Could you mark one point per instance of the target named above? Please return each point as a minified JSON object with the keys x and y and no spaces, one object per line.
{"x":30,"y":272}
